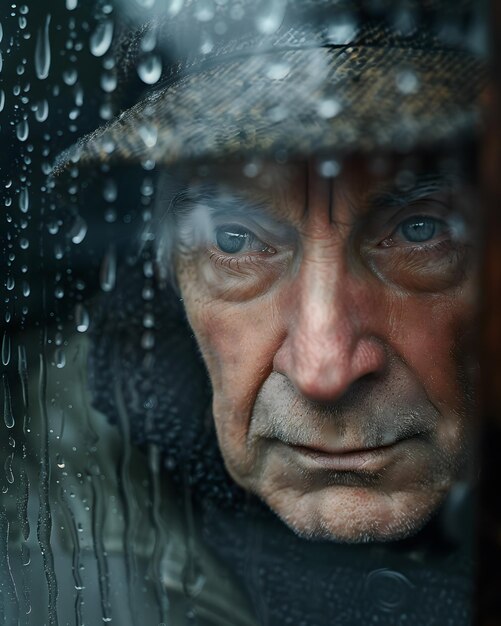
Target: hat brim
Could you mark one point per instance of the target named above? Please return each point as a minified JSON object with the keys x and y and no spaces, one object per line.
{"x":297,"y":101}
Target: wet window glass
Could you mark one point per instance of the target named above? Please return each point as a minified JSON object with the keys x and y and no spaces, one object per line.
{"x":242,"y":254}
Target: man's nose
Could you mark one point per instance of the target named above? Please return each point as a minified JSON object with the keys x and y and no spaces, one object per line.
{"x":331,"y":337}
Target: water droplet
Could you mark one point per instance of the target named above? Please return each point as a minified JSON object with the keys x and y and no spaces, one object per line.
{"x":8,"y":416}
{"x":149,"y":41}
{"x":278,"y":71}
{"x":6,"y":349}
{"x":175,"y":6}
{"x":78,"y":231}
{"x":60,"y":461}
{"x":148,"y":320}
{"x":59,"y":293}
{"x":60,"y":358}
{"x":149,"y":134}
{"x":109,"y":82}
{"x":23,"y":130}
{"x":42,"y":50}
{"x":148,"y":340}
{"x":82,"y":319}
{"x":53,"y":227}
{"x":24,"y":244}
{"x":407,"y":82}
{"x":343,"y":31}
{"x":270,"y":21}
{"x":70,"y":76}
{"x":108,"y":274}
{"x":329,"y":108}
{"x":252,"y":169}
{"x":26,"y":289}
{"x":110,"y":190}
{"x":205,"y":10}
{"x":206,"y":44}
{"x":42,"y":111}
{"x":10,"y":283}
{"x":24,"y":200}
{"x":150,"y":69}
{"x":329,"y":169}
{"x":101,"y":38}
{"x":79,"y":96}
{"x":8,"y":468}
{"x":2,"y":100}
{"x":110,"y":215}
{"x":71,"y":5}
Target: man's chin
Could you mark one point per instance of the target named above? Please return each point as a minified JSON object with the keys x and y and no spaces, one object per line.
{"x":354,"y":515}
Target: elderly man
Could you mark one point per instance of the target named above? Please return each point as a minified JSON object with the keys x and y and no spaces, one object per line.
{"x":315,"y":215}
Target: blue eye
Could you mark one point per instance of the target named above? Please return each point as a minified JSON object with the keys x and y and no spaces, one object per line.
{"x":420,"y":229}
{"x":232,"y":239}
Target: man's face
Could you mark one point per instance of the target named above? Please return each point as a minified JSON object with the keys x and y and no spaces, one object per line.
{"x":335,"y":319}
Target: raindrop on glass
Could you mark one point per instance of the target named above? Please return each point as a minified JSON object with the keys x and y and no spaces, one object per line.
{"x":205,"y":10}
{"x":78,"y":231}
{"x":328,"y":108}
{"x":109,"y":82}
{"x":278,"y":71}
{"x":148,"y":320}
{"x":42,"y":51}
{"x":342,"y":31}
{"x":70,"y":76}
{"x":270,"y":21}
{"x":149,"y":41}
{"x":9,"y":476}
{"x":329,"y":169}
{"x":23,"y":130}
{"x":8,"y":415}
{"x":24,"y":200}
{"x":110,"y":190}
{"x":42,"y":111}
{"x":148,"y":340}
{"x":2,"y":100}
{"x":101,"y":38}
{"x":108,"y":271}
{"x":6,"y":349}
{"x":150,"y":69}
{"x":81,"y":318}
{"x":149,"y":134}
{"x":175,"y":6}
{"x":59,"y":358}
{"x":407,"y":82}
{"x":71,"y":5}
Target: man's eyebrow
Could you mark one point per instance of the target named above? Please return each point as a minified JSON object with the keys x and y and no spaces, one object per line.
{"x":422,"y":185}
{"x":220,"y":201}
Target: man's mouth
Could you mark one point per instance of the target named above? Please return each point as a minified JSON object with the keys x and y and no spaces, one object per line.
{"x":368,"y":459}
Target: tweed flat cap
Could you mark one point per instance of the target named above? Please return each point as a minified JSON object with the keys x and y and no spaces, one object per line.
{"x":232,"y":79}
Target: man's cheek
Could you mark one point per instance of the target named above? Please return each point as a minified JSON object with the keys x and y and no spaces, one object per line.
{"x":436,"y":352}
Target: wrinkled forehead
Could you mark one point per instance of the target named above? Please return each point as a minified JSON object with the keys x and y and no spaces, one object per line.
{"x":291,"y":190}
